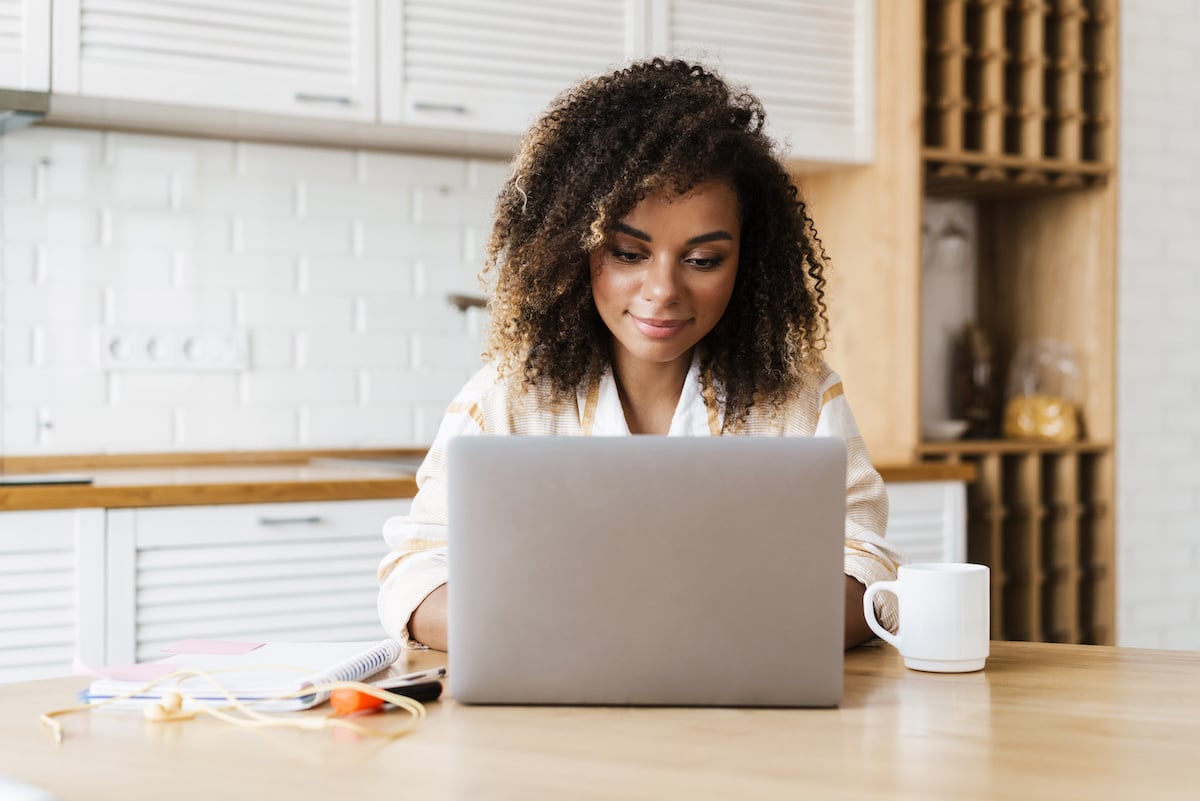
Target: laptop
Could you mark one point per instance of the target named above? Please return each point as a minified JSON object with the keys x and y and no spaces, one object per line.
{"x":681,"y":571}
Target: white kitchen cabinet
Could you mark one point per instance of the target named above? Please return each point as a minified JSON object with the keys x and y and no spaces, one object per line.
{"x":286,"y":571}
{"x":493,"y":65}
{"x":25,"y":45}
{"x":313,"y":58}
{"x":51,"y":591}
{"x":811,"y":62}
{"x":927,"y":520}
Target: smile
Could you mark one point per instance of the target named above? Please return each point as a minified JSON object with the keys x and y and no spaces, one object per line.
{"x":658,"y":329}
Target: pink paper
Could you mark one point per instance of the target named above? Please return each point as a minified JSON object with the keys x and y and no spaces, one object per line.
{"x":228,"y":647}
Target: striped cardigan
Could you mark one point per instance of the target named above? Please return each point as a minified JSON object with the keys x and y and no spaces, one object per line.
{"x":417,"y":563}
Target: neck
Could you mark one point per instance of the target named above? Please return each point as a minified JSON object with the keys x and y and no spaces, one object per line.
{"x":649,"y":392}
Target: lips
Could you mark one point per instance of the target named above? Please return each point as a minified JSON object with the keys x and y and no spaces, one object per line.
{"x":657,"y":329}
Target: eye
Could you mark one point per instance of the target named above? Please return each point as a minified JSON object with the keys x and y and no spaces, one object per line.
{"x":625,"y":256}
{"x":706,"y":262}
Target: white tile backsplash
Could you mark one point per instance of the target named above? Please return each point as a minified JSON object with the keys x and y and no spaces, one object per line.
{"x":287,"y":162}
{"x":1158,"y":395}
{"x":41,"y":223}
{"x":330,"y":349}
{"x":316,"y":252}
{"x":239,"y":428}
{"x":397,"y":169}
{"x":307,"y":387}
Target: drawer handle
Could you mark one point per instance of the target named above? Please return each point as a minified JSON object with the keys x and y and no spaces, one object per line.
{"x":453,"y":108}
{"x":290,"y":521}
{"x":308,"y":97}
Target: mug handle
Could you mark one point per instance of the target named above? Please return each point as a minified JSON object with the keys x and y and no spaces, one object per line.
{"x":869,"y":608}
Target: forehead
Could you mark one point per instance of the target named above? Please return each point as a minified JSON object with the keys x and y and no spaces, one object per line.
{"x":714,"y":198}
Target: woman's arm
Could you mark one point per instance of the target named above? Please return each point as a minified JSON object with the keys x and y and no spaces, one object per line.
{"x":857,"y":631}
{"x":428,"y":623}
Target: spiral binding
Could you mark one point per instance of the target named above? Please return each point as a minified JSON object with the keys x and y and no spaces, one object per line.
{"x":360,"y":667}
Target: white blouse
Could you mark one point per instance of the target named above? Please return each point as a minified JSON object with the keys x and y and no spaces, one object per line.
{"x":417,"y":564}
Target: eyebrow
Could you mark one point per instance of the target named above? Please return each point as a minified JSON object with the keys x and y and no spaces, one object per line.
{"x":711,"y":236}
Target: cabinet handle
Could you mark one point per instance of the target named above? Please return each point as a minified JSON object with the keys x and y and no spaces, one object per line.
{"x":307,"y":97}
{"x":289,"y":521}
{"x":453,"y":108}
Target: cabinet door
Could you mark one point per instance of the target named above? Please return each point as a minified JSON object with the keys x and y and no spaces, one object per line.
{"x":811,"y":63}
{"x":25,"y":44}
{"x":927,"y":520}
{"x":288,"y":571}
{"x":315,"y":59}
{"x":51,"y":591}
{"x":494,"y":65}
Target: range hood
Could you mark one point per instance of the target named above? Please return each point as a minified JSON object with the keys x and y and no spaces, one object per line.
{"x":19,"y":109}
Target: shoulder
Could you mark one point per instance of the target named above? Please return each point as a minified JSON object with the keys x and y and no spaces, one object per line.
{"x":504,"y":403}
{"x":815,"y":393}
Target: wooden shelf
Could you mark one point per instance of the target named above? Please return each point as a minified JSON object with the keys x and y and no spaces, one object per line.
{"x":982,"y":446}
{"x":1019,"y":110}
{"x":1039,"y":517}
{"x":1018,"y":93}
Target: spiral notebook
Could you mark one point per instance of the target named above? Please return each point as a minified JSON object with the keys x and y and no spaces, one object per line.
{"x":259,"y":675}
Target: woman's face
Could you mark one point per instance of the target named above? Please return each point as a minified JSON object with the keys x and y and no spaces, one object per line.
{"x":664,"y":276}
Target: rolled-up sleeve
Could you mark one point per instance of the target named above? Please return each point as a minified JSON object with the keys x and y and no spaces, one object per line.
{"x":868,"y":555}
{"x":417,"y":564}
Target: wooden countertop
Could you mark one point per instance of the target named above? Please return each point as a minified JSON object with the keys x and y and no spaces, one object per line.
{"x":193,"y":479}
{"x":1041,"y":721}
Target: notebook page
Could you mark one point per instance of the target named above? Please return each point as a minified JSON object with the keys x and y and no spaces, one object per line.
{"x":272,"y":670}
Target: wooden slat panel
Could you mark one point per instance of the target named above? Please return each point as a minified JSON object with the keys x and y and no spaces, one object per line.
{"x":951,"y":50}
{"x":1060,"y":476}
{"x":1022,"y":547}
{"x":985,"y":526}
{"x":1031,"y":109}
{"x":1097,"y":551}
{"x":991,"y":99}
{"x":1070,"y":67}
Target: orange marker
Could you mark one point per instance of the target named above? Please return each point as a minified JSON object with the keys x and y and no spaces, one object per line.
{"x":421,"y":686}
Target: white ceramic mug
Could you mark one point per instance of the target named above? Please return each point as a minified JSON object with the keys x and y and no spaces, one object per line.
{"x":944,"y":615}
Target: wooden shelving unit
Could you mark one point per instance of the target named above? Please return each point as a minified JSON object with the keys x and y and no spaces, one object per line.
{"x":1018,"y":95}
{"x":1019,"y":109}
{"x":1041,"y":518}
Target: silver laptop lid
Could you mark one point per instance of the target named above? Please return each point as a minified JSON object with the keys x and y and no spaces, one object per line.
{"x":646,"y":570}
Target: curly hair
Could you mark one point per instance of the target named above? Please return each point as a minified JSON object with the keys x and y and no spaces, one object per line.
{"x":601,"y":147}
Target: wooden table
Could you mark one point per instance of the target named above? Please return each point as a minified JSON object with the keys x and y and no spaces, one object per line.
{"x":1043,"y":721}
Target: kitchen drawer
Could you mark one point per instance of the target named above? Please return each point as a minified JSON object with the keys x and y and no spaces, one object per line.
{"x":927,"y":520}
{"x":243,"y":524}
{"x":294,"y":571}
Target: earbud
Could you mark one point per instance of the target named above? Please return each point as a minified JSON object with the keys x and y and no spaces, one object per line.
{"x":168,"y":709}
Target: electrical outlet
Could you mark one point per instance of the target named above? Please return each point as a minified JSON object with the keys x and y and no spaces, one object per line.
{"x":178,"y":349}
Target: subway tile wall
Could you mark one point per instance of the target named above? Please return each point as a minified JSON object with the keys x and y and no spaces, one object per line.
{"x":335,"y":263}
{"x":1158,"y":468}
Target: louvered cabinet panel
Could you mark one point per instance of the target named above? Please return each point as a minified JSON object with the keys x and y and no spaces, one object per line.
{"x":927,"y":520}
{"x":494,"y":65}
{"x":314,"y":58}
{"x":25,"y":45}
{"x":51,"y":598}
{"x":297,"y":571}
{"x":811,"y":62}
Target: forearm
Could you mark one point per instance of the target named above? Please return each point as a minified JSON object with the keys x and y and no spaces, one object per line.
{"x":857,"y":631}
{"x":428,"y":622}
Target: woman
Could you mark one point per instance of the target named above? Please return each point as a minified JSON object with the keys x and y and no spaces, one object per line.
{"x":655,"y":272}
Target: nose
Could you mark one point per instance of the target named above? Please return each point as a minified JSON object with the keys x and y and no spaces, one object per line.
{"x":661,"y":283}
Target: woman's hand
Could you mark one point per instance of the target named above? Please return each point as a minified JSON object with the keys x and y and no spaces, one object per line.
{"x":428,"y":622}
{"x":857,"y":630}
